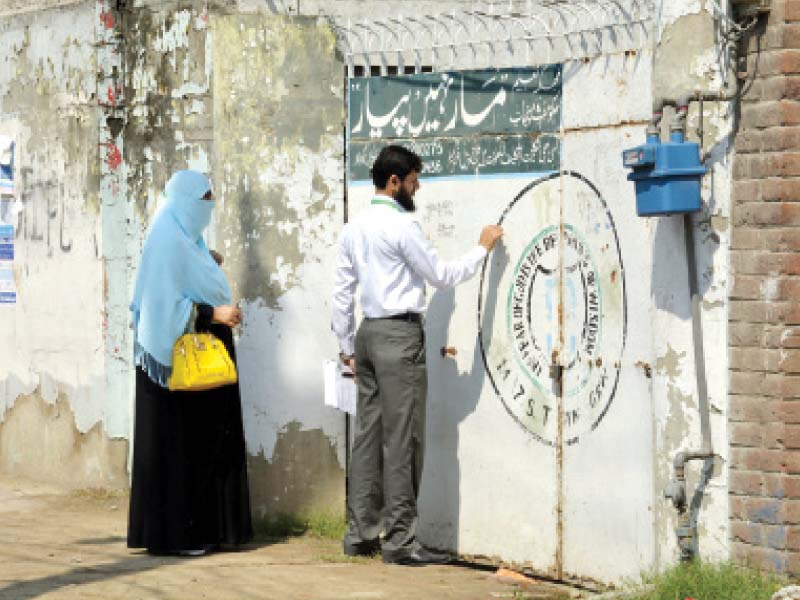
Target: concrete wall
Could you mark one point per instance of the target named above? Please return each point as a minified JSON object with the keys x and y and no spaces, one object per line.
{"x":53,"y":405}
{"x":105,"y":108}
{"x":594,"y":509}
{"x":255,"y":101}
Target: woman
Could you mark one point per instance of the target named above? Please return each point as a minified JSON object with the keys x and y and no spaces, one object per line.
{"x":189,"y":492}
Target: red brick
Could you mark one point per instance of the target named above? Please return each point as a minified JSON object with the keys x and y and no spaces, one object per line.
{"x":793,"y":537}
{"x":786,"y":387}
{"x":746,"y":435}
{"x":748,"y":166}
{"x":749,"y":408}
{"x":784,"y":288}
{"x":736,"y":507}
{"x":791,"y":437}
{"x":746,"y":190}
{"x":790,"y":511}
{"x":748,"y":141}
{"x":760,"y":213}
{"x":747,"y":383}
{"x":757,"y":311}
{"x":786,"y":411}
{"x":764,"y":510}
{"x":769,"y":113}
{"x":792,"y":564}
{"x":790,"y":337}
{"x":775,"y":62}
{"x":757,"y":459}
{"x":790,"y":35}
{"x":777,"y":190}
{"x":774,"y":335}
{"x":741,"y":334}
{"x":758,"y":558}
{"x":754,"y":262}
{"x":791,"y":10}
{"x":790,"y":361}
{"x":746,"y":287}
{"x":782,"y":240}
{"x":782,"y":164}
{"x":749,"y":533}
{"x":747,"y":483}
{"x":791,"y":462}
{"x":774,"y":434}
{"x":791,"y":486}
{"x":775,"y":485}
{"x":777,"y":139}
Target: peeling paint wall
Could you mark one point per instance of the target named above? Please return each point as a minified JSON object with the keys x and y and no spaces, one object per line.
{"x":52,"y":368}
{"x":278,"y":161}
{"x":256,"y":102}
{"x":687,"y":58}
{"x":603,"y":495}
{"x":105,"y":104}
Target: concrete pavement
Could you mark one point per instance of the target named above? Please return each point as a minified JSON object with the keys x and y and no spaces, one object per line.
{"x":60,"y":544}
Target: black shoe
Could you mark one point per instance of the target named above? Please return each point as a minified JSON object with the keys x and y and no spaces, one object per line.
{"x":362,"y":549}
{"x":417,"y":557}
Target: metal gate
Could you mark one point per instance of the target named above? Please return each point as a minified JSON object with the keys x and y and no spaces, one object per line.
{"x":533,"y":453}
{"x":540,"y":423}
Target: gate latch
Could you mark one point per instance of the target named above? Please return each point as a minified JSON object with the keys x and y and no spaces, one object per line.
{"x":556,"y":374}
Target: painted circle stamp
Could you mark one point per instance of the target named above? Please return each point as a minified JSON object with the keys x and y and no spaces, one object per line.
{"x":552,"y":312}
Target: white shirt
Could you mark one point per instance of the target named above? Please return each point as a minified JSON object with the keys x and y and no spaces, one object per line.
{"x":385,"y":250}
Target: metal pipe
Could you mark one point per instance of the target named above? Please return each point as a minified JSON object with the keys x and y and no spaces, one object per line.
{"x":676,"y":490}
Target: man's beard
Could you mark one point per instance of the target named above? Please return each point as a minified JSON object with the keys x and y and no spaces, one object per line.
{"x":404,"y":199}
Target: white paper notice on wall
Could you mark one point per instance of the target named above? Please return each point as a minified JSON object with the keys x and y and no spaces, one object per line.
{"x":6,"y":165}
{"x":8,"y":292}
{"x":340,"y":386}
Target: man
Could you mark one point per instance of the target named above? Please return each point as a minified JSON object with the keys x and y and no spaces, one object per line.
{"x":384,"y":250}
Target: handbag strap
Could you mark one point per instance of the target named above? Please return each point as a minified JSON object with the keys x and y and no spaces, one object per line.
{"x":190,"y":328}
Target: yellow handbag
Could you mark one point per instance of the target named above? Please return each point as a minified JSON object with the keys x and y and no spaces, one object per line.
{"x":200,"y":362}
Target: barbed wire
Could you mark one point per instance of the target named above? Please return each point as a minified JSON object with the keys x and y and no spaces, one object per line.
{"x":584,"y":28}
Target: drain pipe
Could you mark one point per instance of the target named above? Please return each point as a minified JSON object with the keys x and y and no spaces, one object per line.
{"x":676,"y":490}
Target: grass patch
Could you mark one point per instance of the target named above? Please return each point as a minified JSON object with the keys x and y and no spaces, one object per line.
{"x":284,"y":525}
{"x":707,"y":581}
{"x":343,"y":558}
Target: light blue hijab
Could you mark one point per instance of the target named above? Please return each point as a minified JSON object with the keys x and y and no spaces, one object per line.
{"x":176,"y":271}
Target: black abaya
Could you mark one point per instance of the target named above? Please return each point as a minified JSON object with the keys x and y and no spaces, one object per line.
{"x":189,"y":486}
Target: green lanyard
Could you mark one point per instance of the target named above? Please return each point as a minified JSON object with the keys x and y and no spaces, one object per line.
{"x":387,"y":203}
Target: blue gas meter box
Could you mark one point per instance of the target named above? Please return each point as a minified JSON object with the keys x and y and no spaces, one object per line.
{"x":666,"y":176}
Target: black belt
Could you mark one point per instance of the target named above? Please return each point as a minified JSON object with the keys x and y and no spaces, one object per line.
{"x":411,"y":317}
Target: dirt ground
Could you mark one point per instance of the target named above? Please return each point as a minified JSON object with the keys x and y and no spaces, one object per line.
{"x":60,"y":544}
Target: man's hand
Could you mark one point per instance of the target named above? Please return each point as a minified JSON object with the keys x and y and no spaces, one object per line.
{"x":216,"y":256}
{"x":490,"y":235}
{"x":350,"y":361}
{"x":227,"y":315}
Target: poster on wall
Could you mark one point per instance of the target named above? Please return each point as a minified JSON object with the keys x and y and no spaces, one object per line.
{"x":6,"y":165}
{"x":8,"y":292}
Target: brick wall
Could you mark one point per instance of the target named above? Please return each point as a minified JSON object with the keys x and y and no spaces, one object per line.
{"x":765,"y":302}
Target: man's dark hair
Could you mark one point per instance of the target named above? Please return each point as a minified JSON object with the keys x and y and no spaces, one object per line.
{"x":394,"y":160}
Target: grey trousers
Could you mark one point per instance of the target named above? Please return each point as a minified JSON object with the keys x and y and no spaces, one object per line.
{"x":387,"y":454}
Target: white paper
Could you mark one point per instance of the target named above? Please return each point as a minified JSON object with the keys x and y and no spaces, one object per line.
{"x":340,"y":390}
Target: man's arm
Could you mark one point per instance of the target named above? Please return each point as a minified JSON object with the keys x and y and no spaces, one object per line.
{"x":423,"y":258}
{"x":343,"y":322}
